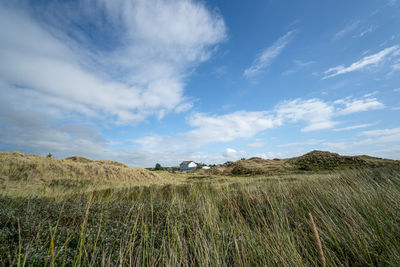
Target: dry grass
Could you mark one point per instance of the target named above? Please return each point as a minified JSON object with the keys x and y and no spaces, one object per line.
{"x":32,"y":175}
{"x":312,"y":161}
{"x":197,"y":219}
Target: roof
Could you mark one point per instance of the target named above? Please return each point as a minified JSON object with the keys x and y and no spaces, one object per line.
{"x":187,"y":162}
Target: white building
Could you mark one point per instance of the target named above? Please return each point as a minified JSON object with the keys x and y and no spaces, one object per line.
{"x":187,"y":166}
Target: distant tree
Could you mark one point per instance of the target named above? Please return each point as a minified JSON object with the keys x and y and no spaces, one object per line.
{"x":200,"y":165}
{"x":243,"y":159}
{"x":158,"y":167}
{"x":49,"y":155}
{"x":175,"y":169}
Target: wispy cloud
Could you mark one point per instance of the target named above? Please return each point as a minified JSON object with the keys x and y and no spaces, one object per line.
{"x":268,"y":55}
{"x":297,"y":66}
{"x":256,"y":144}
{"x":367,"y":61}
{"x":353,"y":127}
{"x":136,"y":71}
{"x":380,"y":136}
{"x":370,"y":29}
{"x":381,"y":132}
{"x":349,"y":28}
{"x":308,"y":142}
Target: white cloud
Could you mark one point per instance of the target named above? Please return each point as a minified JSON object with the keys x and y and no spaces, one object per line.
{"x":363,"y":33}
{"x":256,"y":144}
{"x":272,"y":155}
{"x":392,"y":152}
{"x":297,"y":66}
{"x":336,"y":145}
{"x":316,"y":112}
{"x":308,"y":142}
{"x":367,"y":61}
{"x":232,"y":154}
{"x":268,"y":55}
{"x":156,"y":45}
{"x":353,"y":127}
{"x":184,"y":107}
{"x":319,"y":114}
{"x":381,"y":132}
{"x":228,"y":127}
{"x":395,"y":67}
{"x":349,"y":28}
{"x":358,"y":105}
{"x":380,"y":139}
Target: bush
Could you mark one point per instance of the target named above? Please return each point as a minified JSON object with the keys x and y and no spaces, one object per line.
{"x":158,"y":167}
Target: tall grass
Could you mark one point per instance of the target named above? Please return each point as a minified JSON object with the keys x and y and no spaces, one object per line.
{"x":265,"y":223}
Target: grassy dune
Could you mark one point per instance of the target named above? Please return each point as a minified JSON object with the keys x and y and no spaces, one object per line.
{"x":203,"y":219}
{"x":25,"y":175}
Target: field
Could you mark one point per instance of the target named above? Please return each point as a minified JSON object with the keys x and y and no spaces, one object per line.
{"x":317,"y":209}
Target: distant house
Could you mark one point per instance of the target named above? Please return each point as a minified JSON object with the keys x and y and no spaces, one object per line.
{"x":187,"y":166}
{"x":206,"y":168}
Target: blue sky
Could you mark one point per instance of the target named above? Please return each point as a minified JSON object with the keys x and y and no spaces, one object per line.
{"x":146,"y":81}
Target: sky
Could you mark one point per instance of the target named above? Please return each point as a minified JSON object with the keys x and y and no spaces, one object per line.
{"x":162,"y":81}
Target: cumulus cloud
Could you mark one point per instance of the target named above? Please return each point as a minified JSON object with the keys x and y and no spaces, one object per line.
{"x":367,"y":61}
{"x":36,"y":133}
{"x":228,"y":127}
{"x":268,"y":55}
{"x":358,"y":105}
{"x":133,"y":70}
{"x":316,"y":113}
{"x":232,"y":154}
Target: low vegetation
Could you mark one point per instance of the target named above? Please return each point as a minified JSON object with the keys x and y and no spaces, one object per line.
{"x":93,"y":213}
{"x":27,"y":175}
{"x":312,"y":161}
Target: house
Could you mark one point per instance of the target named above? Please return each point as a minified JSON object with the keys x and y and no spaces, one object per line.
{"x":187,"y":166}
{"x":206,"y":168}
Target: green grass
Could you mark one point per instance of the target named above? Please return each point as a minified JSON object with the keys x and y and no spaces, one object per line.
{"x":205,"y":220}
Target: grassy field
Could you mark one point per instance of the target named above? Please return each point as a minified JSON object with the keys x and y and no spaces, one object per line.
{"x":76,"y":213}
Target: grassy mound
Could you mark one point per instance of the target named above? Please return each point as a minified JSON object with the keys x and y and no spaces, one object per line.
{"x":312,"y":161}
{"x":323,"y":160}
{"x":68,"y":174}
{"x":256,"y":166}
